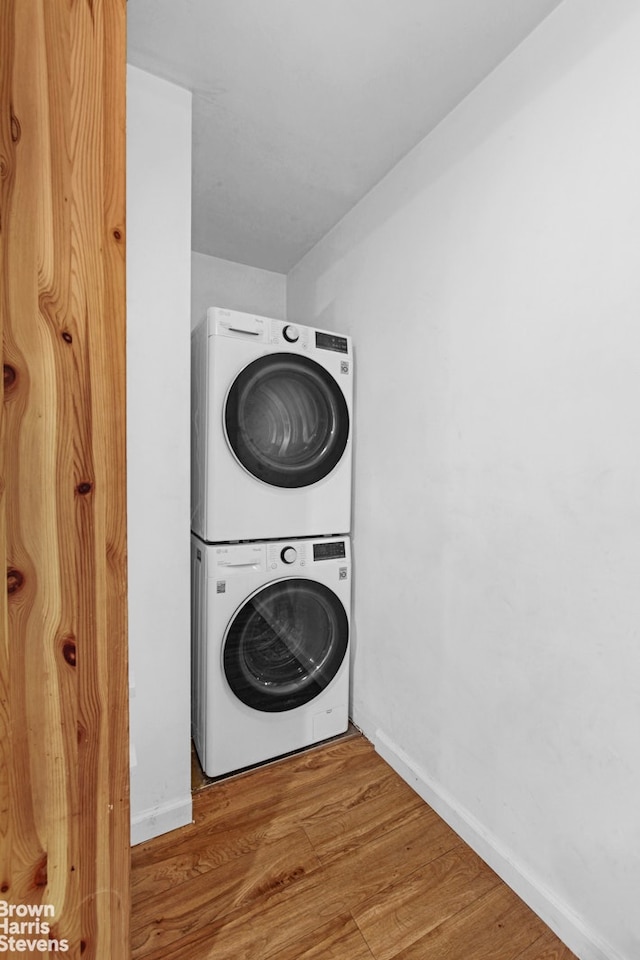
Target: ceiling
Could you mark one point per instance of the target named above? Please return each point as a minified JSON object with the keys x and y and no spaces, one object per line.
{"x":301,"y":106}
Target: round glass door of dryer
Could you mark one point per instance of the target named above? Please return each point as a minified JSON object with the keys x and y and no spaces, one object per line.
{"x":285,"y":645}
{"x":286,"y":420}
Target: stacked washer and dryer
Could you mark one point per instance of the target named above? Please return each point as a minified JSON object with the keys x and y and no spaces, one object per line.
{"x":270,"y":552}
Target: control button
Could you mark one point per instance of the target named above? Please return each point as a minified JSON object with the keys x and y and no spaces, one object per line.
{"x":289,"y":554}
{"x":290,"y":333}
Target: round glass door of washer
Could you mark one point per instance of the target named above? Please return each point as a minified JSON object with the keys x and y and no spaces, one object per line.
{"x":285,"y":644}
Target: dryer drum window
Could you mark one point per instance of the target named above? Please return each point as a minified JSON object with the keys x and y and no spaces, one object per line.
{"x":287,"y":420}
{"x":285,"y":645}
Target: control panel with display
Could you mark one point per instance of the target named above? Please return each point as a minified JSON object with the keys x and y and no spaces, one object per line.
{"x":331,"y":341}
{"x":329,"y":551}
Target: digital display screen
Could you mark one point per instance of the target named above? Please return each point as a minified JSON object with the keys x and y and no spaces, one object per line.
{"x":329,"y":551}
{"x":330,"y":341}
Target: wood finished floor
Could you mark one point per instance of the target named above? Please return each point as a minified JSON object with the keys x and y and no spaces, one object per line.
{"x":327,"y":854}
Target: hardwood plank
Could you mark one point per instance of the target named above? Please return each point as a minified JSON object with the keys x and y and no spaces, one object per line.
{"x":152,"y":876}
{"x":497,"y":926}
{"x":340,"y":939}
{"x":408,"y":909}
{"x":547,"y":947}
{"x":416,"y":839}
{"x":286,"y":915}
{"x":236,"y":884}
{"x":354,"y":813}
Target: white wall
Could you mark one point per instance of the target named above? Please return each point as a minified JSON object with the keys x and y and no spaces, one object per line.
{"x":158,"y":308}
{"x":235,"y":286}
{"x":491,"y":283}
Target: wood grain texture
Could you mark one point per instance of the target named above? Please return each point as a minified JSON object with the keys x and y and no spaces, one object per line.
{"x":336,"y":940}
{"x":407,"y":910}
{"x":326,"y":854}
{"x":64,"y":818}
{"x":496,"y":926}
{"x":548,"y":947}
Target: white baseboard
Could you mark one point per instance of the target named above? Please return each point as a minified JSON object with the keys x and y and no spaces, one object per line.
{"x":569,"y":927}
{"x":161,"y":819}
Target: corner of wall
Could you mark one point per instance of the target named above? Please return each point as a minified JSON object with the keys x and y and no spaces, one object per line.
{"x":161,"y":819}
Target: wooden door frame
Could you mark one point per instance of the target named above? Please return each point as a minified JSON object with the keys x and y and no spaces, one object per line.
{"x":64,"y":744}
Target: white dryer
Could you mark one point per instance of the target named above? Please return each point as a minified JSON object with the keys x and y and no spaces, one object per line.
{"x":271,"y":429}
{"x":270,"y":648}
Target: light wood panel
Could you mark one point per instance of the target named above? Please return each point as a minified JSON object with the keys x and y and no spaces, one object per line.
{"x":326,"y":854}
{"x":64,"y":818}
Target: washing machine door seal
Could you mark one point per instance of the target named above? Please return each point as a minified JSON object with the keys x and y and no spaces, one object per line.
{"x":286,"y":420}
{"x":285,"y":644}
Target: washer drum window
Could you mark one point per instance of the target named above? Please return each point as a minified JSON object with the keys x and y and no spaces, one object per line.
{"x":285,"y":644}
{"x":286,"y":420}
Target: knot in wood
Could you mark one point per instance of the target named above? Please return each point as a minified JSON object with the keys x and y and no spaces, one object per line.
{"x":69,"y":651}
{"x":16,"y":129}
{"x":40,"y":876}
{"x":15,"y":580}
{"x":9,"y":375}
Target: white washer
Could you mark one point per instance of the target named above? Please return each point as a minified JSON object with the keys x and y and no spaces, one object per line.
{"x":270,"y":648}
{"x":271,"y":429}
